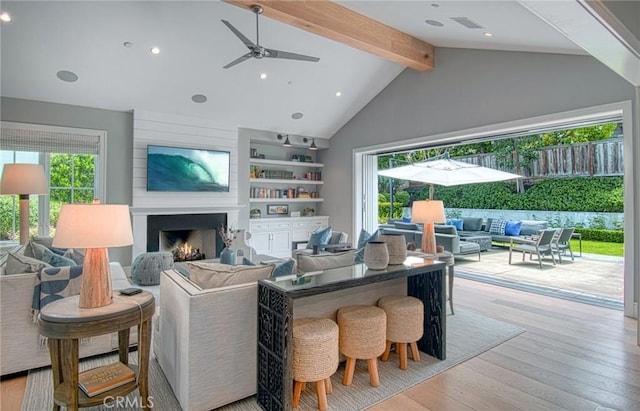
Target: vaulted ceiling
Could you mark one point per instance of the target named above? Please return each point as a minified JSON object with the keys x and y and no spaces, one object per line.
{"x":107,"y":45}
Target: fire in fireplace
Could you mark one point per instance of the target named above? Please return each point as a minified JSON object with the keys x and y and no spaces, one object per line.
{"x":185,"y":252}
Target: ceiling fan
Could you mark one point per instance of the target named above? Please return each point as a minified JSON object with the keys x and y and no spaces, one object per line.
{"x":256,"y":50}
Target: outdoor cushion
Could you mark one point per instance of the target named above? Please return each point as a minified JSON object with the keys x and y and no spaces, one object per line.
{"x":488,"y":226}
{"x":532,"y":227}
{"x":471,"y":224}
{"x":320,"y":236}
{"x":497,"y":226}
{"x":406,"y":226}
{"x":512,"y":227}
{"x":456,"y":222}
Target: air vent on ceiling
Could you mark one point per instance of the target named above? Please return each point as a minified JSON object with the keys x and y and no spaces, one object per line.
{"x":467,"y":22}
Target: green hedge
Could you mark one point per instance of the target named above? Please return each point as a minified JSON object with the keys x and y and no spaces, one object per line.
{"x":586,"y":194}
{"x":383,"y":211}
{"x":610,"y":236}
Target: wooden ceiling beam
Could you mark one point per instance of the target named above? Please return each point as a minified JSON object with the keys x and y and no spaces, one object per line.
{"x":331,"y":20}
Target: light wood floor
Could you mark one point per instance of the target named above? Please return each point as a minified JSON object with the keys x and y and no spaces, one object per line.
{"x":573,"y":356}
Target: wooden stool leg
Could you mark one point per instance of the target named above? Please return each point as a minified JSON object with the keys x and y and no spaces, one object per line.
{"x":297,"y":390}
{"x":322,"y":395}
{"x":414,"y":351}
{"x":372,"y":365}
{"x":328,"y":386}
{"x":387,"y":352}
{"x":402,"y":353}
{"x":349,"y":369}
{"x":304,"y":386}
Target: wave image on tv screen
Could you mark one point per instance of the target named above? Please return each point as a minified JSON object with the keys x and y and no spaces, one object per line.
{"x":184,"y":169}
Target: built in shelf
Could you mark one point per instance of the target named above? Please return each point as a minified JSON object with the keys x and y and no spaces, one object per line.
{"x":284,"y":163}
{"x":280,"y":181}
{"x":286,"y":200}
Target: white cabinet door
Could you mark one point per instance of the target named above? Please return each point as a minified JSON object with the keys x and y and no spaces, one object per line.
{"x":281,"y":243}
{"x":261,"y":241}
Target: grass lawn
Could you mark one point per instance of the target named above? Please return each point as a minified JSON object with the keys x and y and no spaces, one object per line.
{"x":598,"y":247}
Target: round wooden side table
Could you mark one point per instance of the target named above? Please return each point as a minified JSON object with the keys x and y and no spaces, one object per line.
{"x":64,"y":323}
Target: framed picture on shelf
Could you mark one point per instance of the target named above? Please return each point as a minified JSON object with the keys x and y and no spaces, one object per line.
{"x":277,"y":209}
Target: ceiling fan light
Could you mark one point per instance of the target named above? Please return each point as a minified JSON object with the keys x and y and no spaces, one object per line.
{"x":313,"y":145}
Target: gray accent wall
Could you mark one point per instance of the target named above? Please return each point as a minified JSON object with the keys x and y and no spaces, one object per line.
{"x":467,"y":89}
{"x":119,"y":128}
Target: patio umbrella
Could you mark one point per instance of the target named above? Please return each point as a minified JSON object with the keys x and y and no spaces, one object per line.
{"x":447,"y":172}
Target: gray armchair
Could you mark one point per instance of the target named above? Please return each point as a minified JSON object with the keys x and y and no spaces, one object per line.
{"x":447,"y":236}
{"x":337,"y":241}
{"x":540,"y":246}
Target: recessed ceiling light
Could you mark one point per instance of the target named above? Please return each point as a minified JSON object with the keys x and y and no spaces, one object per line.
{"x":434,"y":23}
{"x":263,"y":76}
{"x":155,"y":50}
{"x":68,"y":76}
{"x":487,"y":34}
{"x":199,"y":98}
{"x":338,"y":94}
{"x":435,"y":5}
{"x":4,"y":16}
{"x":127,"y":44}
{"x":297,"y":116}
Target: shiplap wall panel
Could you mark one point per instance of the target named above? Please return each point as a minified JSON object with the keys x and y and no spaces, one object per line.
{"x":170,"y":130}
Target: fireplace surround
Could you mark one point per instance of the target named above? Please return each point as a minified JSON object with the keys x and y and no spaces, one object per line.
{"x":156,"y":224}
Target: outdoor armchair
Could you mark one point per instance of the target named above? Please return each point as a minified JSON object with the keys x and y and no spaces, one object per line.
{"x":562,"y":242}
{"x":542,"y":245}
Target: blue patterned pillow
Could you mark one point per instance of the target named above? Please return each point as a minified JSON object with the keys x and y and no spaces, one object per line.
{"x":363,"y":239}
{"x":284,"y":268}
{"x":497,"y":226}
{"x":320,"y":236}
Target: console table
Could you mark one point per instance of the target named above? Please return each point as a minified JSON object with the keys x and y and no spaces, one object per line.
{"x":64,"y":323}
{"x":425,"y":281}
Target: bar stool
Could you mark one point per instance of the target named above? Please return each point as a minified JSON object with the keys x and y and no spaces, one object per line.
{"x":315,"y":356}
{"x":362,"y":336}
{"x":405,"y":323}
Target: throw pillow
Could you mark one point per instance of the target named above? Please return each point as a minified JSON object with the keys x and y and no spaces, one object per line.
{"x":213,"y":275}
{"x":497,"y":226}
{"x":283,"y":268}
{"x":42,"y":253}
{"x":512,"y":227}
{"x":246,"y":261}
{"x":74,"y":254}
{"x":457,"y":223}
{"x":472,"y":223}
{"x":363,"y":239}
{"x":320,"y":236}
{"x":20,"y":264}
{"x":487,"y":227}
{"x":307,"y":263}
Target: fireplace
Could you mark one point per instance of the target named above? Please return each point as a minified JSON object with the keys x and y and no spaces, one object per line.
{"x":197,"y":231}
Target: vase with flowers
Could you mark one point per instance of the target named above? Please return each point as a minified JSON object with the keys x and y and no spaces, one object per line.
{"x":227,"y":255}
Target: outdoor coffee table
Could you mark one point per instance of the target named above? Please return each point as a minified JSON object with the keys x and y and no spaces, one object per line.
{"x":484,"y":241}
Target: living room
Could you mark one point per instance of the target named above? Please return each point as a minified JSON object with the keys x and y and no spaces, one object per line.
{"x":469,"y":93}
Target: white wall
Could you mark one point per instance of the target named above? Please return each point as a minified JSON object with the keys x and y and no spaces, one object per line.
{"x":179,"y":131}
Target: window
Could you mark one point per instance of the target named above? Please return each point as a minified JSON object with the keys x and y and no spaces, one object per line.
{"x":72,"y":160}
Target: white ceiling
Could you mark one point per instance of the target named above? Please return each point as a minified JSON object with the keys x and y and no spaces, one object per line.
{"x":87,"y":38}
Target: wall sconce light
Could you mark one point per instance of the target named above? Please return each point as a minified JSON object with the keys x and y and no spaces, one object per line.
{"x":313,"y":145}
{"x":286,"y":143}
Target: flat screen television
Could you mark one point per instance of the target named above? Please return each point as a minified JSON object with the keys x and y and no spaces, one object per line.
{"x":187,"y":169}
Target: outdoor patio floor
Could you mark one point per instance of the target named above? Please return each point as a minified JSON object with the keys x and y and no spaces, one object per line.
{"x":594,"y":279}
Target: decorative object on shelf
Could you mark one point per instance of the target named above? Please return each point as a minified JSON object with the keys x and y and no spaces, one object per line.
{"x":428,"y":212}
{"x":376,"y":255}
{"x":396,"y":246}
{"x":277,"y":209}
{"x":94,"y":227}
{"x":255,"y":213}
{"x":254,"y":172}
{"x":24,"y":179}
{"x":254,"y":153}
{"x":308,"y":212}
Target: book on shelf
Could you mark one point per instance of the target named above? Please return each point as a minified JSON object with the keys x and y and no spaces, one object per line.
{"x":100,"y":379}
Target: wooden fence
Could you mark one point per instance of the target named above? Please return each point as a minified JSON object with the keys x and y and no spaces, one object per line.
{"x":600,"y":158}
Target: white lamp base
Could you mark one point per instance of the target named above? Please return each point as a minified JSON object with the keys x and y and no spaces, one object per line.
{"x":95,"y":290}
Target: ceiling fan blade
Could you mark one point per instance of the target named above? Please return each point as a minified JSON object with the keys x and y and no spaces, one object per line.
{"x":277,"y":54}
{"x":238,"y":60}
{"x":241,"y":36}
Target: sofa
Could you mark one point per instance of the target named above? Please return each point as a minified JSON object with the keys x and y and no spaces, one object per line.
{"x":20,"y":347}
{"x":474,"y":227}
{"x":447,"y":236}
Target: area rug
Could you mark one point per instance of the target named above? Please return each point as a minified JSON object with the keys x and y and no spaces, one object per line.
{"x":468,"y":335}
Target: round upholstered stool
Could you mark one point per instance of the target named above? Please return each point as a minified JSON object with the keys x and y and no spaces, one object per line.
{"x":146,"y":268}
{"x":362,"y":337}
{"x":405,"y":324}
{"x":315,"y":356}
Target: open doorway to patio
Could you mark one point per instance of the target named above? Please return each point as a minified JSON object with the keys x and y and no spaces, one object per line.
{"x":595,"y":275}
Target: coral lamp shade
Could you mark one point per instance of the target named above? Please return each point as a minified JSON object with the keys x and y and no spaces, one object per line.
{"x":23,"y":179}
{"x":93,"y":226}
{"x":428,"y":211}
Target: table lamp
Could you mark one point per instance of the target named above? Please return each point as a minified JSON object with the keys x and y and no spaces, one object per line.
{"x":428,"y":212}
{"x":94,"y":227}
{"x":24,"y":179}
